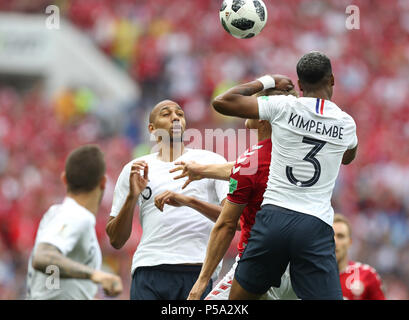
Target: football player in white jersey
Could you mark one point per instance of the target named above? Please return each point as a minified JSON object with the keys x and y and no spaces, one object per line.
{"x":172,"y":248}
{"x":311,"y":137}
{"x":66,"y":258}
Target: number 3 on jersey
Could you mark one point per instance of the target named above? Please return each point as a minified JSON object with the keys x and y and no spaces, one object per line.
{"x":310,"y":157}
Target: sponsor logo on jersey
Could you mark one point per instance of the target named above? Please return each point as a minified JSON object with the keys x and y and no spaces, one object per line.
{"x":232,"y":185}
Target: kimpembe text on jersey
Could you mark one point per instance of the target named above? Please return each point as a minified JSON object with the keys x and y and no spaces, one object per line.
{"x":316,"y":126}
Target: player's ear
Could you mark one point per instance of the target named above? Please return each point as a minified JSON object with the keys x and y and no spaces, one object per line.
{"x":151,"y":127}
{"x":63,"y":178}
{"x":332,"y":79}
{"x":103,"y":182}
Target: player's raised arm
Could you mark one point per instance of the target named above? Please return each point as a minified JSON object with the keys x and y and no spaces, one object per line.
{"x":47,"y":255}
{"x":239,"y":100}
{"x":119,"y":228}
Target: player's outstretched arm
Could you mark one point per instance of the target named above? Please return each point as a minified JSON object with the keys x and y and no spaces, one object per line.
{"x":47,"y":255}
{"x":196,"y":171}
{"x":119,"y":228}
{"x":209,"y":210}
{"x":220,"y":238}
{"x":239,"y":100}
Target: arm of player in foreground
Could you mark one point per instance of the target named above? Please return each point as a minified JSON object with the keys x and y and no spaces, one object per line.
{"x":209,"y":210}
{"x":220,"y":238}
{"x":240,"y":102}
{"x":47,"y":255}
{"x":196,"y":171}
{"x":349,"y":155}
{"x":119,"y":228}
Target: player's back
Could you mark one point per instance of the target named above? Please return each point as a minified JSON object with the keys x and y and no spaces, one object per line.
{"x":309,"y":138}
{"x":71,"y":229}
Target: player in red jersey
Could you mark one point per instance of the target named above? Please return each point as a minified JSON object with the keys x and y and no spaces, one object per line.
{"x":248,"y":179}
{"x":358,"y":281}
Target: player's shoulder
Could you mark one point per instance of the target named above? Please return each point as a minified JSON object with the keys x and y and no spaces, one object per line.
{"x":364,"y":268}
{"x":341,"y":114}
{"x":147,"y":158}
{"x":71,"y":211}
{"x":277,"y":99}
{"x":203,"y":155}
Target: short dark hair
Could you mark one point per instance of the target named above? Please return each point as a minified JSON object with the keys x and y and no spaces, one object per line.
{"x":313,"y":68}
{"x":84,"y":169}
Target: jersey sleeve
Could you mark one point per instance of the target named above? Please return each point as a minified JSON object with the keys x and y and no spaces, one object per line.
{"x":240,"y":186}
{"x":269,"y":107}
{"x":121,"y":191}
{"x":351,"y":133}
{"x":65,"y":233}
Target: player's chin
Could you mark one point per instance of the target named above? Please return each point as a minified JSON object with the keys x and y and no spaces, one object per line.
{"x":176,"y":136}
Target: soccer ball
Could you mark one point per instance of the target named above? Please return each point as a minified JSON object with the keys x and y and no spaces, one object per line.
{"x":243,"y":19}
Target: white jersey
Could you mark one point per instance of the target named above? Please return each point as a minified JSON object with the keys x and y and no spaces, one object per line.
{"x":178,"y":235}
{"x":309,"y":138}
{"x":71,"y":228}
{"x":222,"y":290}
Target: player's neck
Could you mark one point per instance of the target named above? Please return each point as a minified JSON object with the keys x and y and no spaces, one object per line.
{"x":89,"y":201}
{"x":170,"y":152}
{"x":321,"y":94}
{"x":342,"y":265}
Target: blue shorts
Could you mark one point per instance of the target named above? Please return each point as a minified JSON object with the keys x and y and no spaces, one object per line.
{"x":280,"y":236}
{"x":165,"y":282}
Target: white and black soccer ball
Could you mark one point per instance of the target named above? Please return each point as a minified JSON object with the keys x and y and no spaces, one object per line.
{"x":243,"y":19}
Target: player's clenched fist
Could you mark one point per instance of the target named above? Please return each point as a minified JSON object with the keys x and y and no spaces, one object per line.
{"x":111,"y":283}
{"x":283,"y":82}
{"x":138,"y":182}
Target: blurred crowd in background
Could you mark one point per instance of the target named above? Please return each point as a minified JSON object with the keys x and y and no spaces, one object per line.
{"x":177,"y":49}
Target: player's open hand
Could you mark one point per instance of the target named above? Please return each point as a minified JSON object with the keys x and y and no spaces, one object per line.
{"x":190,"y":169}
{"x":283,"y":82}
{"x":138,"y":182}
{"x":111,"y":283}
{"x":171,"y":198}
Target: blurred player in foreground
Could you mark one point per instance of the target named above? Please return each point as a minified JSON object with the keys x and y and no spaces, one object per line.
{"x":358,"y":281}
{"x":66,"y":245}
{"x":172,"y":249}
{"x":311,"y":137}
{"x":248,"y":180}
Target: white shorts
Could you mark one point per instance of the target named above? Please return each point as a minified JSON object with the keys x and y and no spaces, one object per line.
{"x":222,"y":290}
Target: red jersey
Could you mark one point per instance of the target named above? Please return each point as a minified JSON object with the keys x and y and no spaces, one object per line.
{"x":248,"y":181}
{"x":361,"y":282}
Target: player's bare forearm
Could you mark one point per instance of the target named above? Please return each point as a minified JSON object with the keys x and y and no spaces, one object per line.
{"x":209,"y":210}
{"x":47,"y":255}
{"x":218,"y":171}
{"x":119,"y":228}
{"x":220,"y":238}
{"x":239,"y":101}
